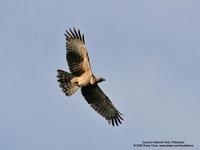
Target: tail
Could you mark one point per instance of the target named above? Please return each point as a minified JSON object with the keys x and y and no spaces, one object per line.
{"x":64,"y":79}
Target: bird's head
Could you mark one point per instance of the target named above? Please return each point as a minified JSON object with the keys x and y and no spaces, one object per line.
{"x":100,"y":80}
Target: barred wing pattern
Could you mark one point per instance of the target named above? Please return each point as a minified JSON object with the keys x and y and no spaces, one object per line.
{"x":102,"y":104}
{"x":77,"y":57}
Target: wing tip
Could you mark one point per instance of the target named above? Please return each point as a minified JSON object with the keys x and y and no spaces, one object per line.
{"x":73,"y":33}
{"x":117,"y":120}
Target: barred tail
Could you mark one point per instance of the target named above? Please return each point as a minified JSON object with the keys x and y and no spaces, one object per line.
{"x":64,"y":79}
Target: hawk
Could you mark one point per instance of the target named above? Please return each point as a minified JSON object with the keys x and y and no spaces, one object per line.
{"x":81,"y":77}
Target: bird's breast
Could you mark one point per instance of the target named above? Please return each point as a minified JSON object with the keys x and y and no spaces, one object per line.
{"x":84,"y":79}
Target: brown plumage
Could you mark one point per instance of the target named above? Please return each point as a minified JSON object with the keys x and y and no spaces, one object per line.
{"x":81,"y":76}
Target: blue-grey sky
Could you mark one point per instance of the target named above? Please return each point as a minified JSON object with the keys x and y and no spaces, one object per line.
{"x":148,"y":51}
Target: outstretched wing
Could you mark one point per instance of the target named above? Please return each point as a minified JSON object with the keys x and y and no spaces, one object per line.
{"x":102,"y":104}
{"x":77,"y":56}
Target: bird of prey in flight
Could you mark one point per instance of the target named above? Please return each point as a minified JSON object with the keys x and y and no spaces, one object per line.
{"x":81,"y":77}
